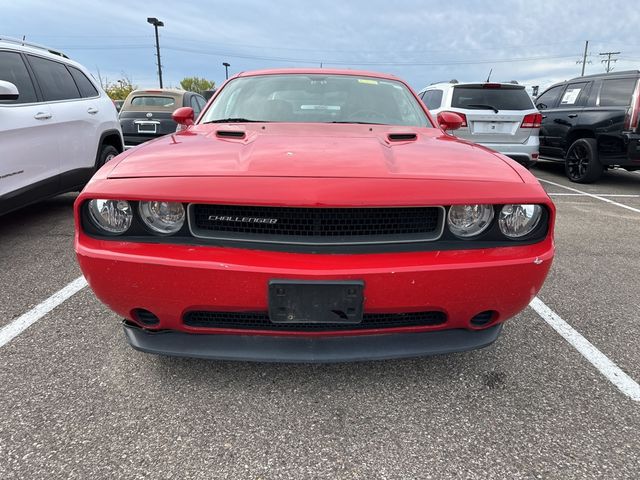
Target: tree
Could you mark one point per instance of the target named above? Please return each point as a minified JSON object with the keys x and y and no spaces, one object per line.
{"x":197,"y":84}
{"x":119,"y":89}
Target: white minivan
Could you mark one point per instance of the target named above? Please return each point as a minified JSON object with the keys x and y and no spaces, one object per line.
{"x":57,"y":126}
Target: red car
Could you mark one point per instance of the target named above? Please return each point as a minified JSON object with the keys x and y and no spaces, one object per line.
{"x":313,"y":216}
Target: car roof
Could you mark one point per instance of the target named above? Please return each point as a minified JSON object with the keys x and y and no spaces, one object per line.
{"x":24,"y":46}
{"x":604,"y":75}
{"x":471,"y":84}
{"x":17,"y":45}
{"x":318,"y":71}
{"x":597,"y":76}
{"x":155,"y":91}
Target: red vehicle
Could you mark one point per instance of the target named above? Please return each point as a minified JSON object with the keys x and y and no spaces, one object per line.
{"x":313,"y":215}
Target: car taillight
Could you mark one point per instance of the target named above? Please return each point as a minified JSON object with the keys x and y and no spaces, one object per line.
{"x":533,"y":120}
{"x":633,"y":112}
{"x":464,"y":119}
{"x":491,"y":85}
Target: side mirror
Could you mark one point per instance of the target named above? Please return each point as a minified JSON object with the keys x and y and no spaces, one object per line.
{"x":8,"y":91}
{"x":183,"y":116}
{"x":449,"y":120}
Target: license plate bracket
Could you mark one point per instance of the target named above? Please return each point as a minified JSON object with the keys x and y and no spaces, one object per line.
{"x":300,"y":301}
{"x":144,"y":127}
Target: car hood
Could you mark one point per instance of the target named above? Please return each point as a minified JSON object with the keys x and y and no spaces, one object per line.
{"x":314,"y":150}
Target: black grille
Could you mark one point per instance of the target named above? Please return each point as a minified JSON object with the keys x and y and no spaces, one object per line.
{"x":317,"y":225}
{"x":260,"y":321}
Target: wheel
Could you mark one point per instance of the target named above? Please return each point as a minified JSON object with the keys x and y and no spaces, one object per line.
{"x":107,"y":152}
{"x":582,"y":164}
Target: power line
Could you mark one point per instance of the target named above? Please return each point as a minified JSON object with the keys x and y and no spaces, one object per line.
{"x":342,"y":50}
{"x":365,"y":63}
{"x":337,"y":62}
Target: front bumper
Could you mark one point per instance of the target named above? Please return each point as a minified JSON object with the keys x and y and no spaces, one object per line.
{"x":308,"y":350}
{"x":171,"y":280}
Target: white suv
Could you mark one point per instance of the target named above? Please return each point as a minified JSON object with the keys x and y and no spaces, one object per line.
{"x":57,"y":126}
{"x":500,"y":116}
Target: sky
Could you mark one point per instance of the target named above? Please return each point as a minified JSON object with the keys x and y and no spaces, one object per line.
{"x":532,"y":42}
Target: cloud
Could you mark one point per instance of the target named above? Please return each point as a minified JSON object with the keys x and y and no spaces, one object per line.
{"x":420,"y":41}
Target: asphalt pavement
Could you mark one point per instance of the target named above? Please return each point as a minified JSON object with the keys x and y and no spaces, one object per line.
{"x":77,"y":402}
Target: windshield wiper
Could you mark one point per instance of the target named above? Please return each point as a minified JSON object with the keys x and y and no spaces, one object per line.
{"x":235,"y":120}
{"x":483,"y":106}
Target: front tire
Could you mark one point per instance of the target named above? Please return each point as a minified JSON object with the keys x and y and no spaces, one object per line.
{"x":582,"y":164}
{"x":107,"y":152}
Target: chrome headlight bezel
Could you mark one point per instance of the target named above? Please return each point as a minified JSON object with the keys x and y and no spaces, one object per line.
{"x":533,"y":216}
{"x":472,"y":230}
{"x":114,"y":208}
{"x":152,"y":219}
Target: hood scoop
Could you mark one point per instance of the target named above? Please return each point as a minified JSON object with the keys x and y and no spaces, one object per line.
{"x":402,"y":137}
{"x":236,"y":134}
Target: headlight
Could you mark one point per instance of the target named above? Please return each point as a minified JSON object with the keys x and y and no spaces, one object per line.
{"x":111,"y":216}
{"x":469,"y":220}
{"x":162,"y":217}
{"x":516,"y":221}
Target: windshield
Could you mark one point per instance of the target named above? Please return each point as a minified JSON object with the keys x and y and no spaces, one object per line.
{"x":479,"y":98}
{"x":302,"y":98}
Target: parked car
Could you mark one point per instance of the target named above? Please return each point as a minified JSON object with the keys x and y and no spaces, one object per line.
{"x":118,"y":104}
{"x":146,"y":114}
{"x":313,"y":215}
{"x":58,"y":126}
{"x":590,"y":124}
{"x":208,"y":94}
{"x":500,"y":116}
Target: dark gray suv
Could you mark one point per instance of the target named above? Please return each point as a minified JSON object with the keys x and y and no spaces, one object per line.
{"x":591,"y":124}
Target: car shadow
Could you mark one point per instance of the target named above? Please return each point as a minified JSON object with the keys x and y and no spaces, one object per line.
{"x":308,"y":377}
{"x":613,"y":178}
{"x":45,"y":214}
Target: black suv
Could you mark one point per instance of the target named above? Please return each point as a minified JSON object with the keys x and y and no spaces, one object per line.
{"x":591,"y":123}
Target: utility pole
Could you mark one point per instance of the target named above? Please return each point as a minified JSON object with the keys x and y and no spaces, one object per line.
{"x":157,"y":23}
{"x":609,"y":59}
{"x":584,"y":57}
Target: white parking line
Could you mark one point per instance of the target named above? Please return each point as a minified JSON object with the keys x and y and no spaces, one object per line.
{"x":610,"y":370}
{"x":20,"y":324}
{"x":637,"y":210}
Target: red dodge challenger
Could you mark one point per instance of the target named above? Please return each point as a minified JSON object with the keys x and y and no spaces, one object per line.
{"x":313,"y":215}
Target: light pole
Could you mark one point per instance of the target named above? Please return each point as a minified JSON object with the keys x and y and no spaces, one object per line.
{"x":226,"y":70}
{"x":157,"y":23}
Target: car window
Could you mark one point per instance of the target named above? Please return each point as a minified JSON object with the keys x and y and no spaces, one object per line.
{"x":549,"y":98}
{"x":195,"y":106}
{"x":432,"y":99}
{"x":617,"y":92}
{"x":501,"y":98}
{"x":153,"y":101}
{"x":574,"y":95}
{"x":13,"y":69}
{"x":87,"y":89}
{"x":201,"y":101}
{"x":54,"y":79}
{"x":304,"y":98}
